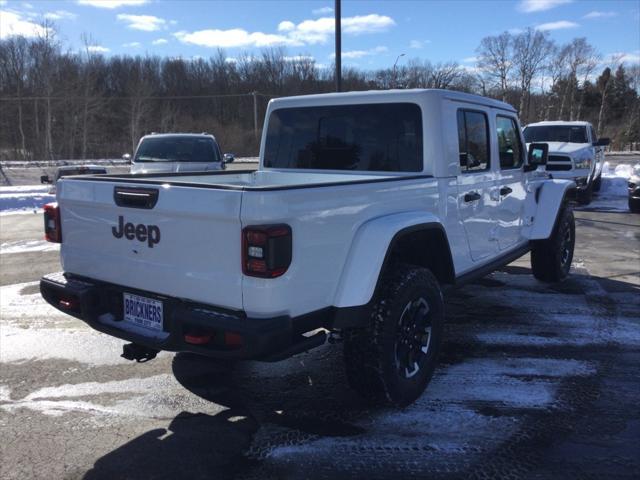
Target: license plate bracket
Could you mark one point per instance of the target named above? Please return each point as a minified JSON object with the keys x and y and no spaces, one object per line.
{"x":143,"y":311}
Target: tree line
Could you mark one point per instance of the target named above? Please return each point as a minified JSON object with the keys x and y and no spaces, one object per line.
{"x":59,"y":104}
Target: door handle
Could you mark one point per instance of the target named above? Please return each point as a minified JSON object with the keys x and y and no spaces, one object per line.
{"x":504,"y":191}
{"x":135,"y":197}
{"x":472,"y":197}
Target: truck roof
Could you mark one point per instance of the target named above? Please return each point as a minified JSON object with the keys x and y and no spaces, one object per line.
{"x":559,"y":123}
{"x":383,"y":96}
{"x":201,"y":135}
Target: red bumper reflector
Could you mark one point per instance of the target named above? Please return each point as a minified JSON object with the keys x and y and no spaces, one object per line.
{"x":232,"y":339}
{"x":197,"y":339}
{"x":68,"y":304}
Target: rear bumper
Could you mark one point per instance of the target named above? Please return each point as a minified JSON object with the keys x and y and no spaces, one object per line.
{"x":99,"y":304}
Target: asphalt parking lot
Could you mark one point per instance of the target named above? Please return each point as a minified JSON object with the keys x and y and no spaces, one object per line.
{"x":536,"y":381}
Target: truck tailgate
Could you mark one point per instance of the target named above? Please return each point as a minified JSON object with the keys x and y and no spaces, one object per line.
{"x":186,"y":245}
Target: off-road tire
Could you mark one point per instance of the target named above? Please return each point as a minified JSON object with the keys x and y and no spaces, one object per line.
{"x":634,"y":205}
{"x":597,"y":183}
{"x":372,"y":353}
{"x":551,"y":258}
{"x":585,"y":196}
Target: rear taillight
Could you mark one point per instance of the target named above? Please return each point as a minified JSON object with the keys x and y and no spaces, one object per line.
{"x":52,"y":224}
{"x":266,"y":250}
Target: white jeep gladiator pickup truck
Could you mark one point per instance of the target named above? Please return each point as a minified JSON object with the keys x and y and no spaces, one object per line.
{"x":575,"y":153}
{"x":366,"y":206}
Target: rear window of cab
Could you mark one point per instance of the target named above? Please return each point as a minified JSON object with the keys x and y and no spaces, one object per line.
{"x":384,"y":137}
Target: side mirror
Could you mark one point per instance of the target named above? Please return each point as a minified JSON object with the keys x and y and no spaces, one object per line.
{"x":127,"y":157}
{"x":538,"y":155}
{"x":228,"y":158}
{"x":44,"y":179}
{"x":602,"y":142}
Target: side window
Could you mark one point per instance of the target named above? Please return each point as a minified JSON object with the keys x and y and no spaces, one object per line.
{"x":509,"y":144}
{"x":594,"y":137}
{"x":473,"y":141}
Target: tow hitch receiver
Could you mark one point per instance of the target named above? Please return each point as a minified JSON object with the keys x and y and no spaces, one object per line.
{"x":139,"y":353}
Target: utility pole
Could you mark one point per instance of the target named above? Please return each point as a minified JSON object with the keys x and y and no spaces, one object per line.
{"x":395,"y":74}
{"x":338,"y":47}
{"x":255,"y":113}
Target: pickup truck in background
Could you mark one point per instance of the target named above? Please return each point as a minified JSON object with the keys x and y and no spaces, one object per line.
{"x":178,"y":152}
{"x":575,"y":153}
{"x":365,"y":209}
{"x":68,"y":171}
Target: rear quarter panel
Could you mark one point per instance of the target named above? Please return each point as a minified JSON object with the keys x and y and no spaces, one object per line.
{"x":324,"y":223}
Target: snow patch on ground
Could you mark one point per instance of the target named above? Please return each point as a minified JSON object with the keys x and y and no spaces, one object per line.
{"x":24,"y":199}
{"x":46,"y":333}
{"x":613,"y":194}
{"x":26,"y":246}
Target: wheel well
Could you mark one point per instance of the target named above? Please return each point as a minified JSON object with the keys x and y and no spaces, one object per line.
{"x":424,"y":247}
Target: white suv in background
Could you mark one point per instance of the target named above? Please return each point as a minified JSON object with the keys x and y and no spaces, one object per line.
{"x":178,"y":152}
{"x":575,"y":153}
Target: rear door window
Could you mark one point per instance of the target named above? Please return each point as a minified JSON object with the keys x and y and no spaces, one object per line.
{"x":473,"y":141}
{"x":384,"y":137}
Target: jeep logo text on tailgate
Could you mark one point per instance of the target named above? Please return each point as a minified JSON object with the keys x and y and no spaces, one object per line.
{"x":143,"y":233}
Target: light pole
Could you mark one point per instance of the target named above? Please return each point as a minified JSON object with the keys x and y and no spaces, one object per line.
{"x":338,"y":34}
{"x":395,"y":74}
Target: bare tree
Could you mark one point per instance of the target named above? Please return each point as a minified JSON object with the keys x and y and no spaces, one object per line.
{"x":531,"y":50}
{"x":44,"y":51}
{"x":604,"y":84}
{"x":578,"y":56}
{"x":92,"y":97}
{"x":495,"y":60}
{"x":556,"y":68}
{"x":592,"y":60}
{"x":13,"y":59}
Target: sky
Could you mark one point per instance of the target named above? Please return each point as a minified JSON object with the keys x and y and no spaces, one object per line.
{"x":375,"y":33}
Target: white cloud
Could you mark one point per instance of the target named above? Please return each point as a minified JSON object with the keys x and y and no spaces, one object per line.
{"x":98,"y":49}
{"x":530,"y":6}
{"x":146,"y":23}
{"x":417,"y":44}
{"x":111,"y":4}
{"x":3,"y":3}
{"x":307,"y":32}
{"x":470,"y":69}
{"x":132,"y":45}
{"x":321,"y":29}
{"x":27,"y":5}
{"x":299,"y":58}
{"x":11,"y":23}
{"x":322,"y":11}
{"x":160,"y":41}
{"x":286,"y":26}
{"x":60,"y":15}
{"x":626,"y":57}
{"x":559,"y":25}
{"x":470,"y":60}
{"x":597,"y":14}
{"x":352,"y":54}
{"x":235,"y":37}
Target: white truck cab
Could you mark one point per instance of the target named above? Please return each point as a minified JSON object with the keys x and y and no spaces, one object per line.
{"x":178,"y":152}
{"x":575,"y":153}
{"x":365,"y":208}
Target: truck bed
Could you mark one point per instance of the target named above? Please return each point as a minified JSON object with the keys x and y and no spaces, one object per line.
{"x":253,"y":180}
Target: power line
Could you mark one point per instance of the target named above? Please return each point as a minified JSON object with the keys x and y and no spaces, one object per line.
{"x":150,"y":97}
